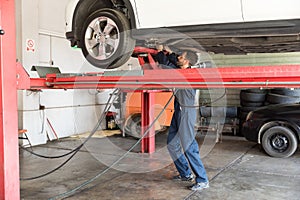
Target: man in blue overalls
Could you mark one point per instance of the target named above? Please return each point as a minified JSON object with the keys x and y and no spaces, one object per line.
{"x":182,"y":146}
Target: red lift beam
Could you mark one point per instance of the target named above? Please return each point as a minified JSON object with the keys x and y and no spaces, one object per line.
{"x":229,"y":77}
{"x":148,"y":81}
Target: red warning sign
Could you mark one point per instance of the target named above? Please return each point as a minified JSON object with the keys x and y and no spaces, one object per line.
{"x":30,"y":45}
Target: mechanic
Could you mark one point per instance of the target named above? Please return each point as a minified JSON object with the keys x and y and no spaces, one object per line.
{"x":181,"y":136}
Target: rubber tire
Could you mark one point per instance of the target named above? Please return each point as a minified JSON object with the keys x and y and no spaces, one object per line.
{"x":281,"y":99}
{"x":286,"y":92}
{"x":252,"y":97}
{"x":126,"y":45}
{"x":289,"y":134}
{"x":263,"y":91}
{"x":133,"y":125}
{"x":251,"y":104}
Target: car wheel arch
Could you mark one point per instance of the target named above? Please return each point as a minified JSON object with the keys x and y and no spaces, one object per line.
{"x":85,"y":8}
{"x":295,"y":128}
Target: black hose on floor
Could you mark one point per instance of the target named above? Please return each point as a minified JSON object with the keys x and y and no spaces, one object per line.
{"x":74,"y":151}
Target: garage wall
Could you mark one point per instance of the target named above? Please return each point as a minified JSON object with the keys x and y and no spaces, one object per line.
{"x":262,"y":59}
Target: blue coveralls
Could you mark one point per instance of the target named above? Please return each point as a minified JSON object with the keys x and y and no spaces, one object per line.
{"x":182,"y":146}
{"x":181,"y":141}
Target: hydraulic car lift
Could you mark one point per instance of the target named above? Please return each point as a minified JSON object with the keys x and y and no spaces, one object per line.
{"x":153,"y":79}
{"x":146,"y":81}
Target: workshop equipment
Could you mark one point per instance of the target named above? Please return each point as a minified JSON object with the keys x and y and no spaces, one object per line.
{"x":110,"y":120}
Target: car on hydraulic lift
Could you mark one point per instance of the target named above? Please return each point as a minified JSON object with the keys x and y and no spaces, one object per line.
{"x":275,"y":127}
{"x":108,"y":30}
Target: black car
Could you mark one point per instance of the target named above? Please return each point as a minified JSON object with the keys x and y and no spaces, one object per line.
{"x":275,"y":127}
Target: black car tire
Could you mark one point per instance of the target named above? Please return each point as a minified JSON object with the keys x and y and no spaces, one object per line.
{"x":279,"y":141}
{"x":281,"y":99}
{"x":252,"y":97}
{"x":286,"y":92}
{"x":251,"y":104}
{"x":256,"y":91}
{"x":118,"y":35}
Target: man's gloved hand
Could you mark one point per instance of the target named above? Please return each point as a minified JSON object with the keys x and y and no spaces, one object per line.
{"x":167,"y":49}
{"x":159,"y":47}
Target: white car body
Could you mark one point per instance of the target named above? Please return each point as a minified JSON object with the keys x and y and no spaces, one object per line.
{"x":232,"y":22}
{"x":157,"y":13}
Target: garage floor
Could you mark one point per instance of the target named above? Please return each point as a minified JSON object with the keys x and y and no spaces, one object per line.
{"x":237,"y":169}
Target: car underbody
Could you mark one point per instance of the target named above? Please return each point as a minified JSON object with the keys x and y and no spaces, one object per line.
{"x":237,"y":38}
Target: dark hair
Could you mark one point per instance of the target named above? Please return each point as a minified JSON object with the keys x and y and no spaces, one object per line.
{"x":192,"y":57}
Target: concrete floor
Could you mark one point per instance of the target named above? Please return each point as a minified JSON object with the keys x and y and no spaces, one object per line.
{"x":237,"y":169}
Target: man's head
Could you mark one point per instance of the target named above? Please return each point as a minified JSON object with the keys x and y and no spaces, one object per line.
{"x":182,"y":61}
{"x":187,"y":59}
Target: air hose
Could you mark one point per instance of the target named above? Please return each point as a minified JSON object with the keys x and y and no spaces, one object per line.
{"x":74,"y":151}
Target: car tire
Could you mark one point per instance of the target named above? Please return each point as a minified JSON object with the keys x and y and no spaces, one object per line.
{"x":254,"y":90}
{"x":286,"y":92}
{"x":279,"y":141}
{"x":252,"y":97}
{"x":281,"y":99}
{"x":251,"y":104}
{"x":133,"y":125}
{"x":117,"y":43}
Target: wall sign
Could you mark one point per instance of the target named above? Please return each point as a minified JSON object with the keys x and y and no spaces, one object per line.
{"x":30,"y":45}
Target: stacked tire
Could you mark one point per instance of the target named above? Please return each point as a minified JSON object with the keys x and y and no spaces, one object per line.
{"x":283,"y":96}
{"x":250,"y":99}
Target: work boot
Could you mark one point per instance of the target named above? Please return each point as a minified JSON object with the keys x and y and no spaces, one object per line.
{"x":199,"y":186}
